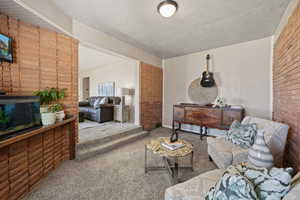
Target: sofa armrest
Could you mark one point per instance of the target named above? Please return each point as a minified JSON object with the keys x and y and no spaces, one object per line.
{"x":84,"y":103}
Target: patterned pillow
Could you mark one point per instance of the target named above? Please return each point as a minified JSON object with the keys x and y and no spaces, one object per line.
{"x":242,"y":134}
{"x":96,"y":103}
{"x":232,"y":186}
{"x":271,"y":184}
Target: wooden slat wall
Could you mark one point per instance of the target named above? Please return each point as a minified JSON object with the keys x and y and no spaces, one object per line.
{"x":286,"y":83}
{"x":151,"y":83}
{"x":42,"y":58}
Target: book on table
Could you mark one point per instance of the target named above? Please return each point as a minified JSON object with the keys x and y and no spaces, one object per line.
{"x":172,"y":146}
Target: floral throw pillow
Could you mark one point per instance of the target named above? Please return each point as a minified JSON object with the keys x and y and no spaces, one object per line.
{"x":242,"y":135}
{"x":232,"y":186}
{"x":247,"y":182}
{"x":271,"y":184}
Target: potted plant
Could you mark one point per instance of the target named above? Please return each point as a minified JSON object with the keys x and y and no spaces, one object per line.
{"x":58,"y":110}
{"x":48,"y":96}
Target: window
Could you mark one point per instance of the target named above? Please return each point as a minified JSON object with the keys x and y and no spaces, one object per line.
{"x":106,"y":89}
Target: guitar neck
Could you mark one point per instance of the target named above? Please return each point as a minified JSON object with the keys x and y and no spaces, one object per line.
{"x":207,"y":63}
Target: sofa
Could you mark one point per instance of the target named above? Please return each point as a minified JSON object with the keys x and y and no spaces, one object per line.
{"x":101,"y":113}
{"x":197,"y":187}
{"x":224,"y":153}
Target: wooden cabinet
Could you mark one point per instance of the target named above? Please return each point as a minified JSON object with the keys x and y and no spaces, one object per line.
{"x":205,"y":116}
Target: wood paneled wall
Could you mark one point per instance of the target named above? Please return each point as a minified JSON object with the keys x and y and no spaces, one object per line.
{"x":286,"y":83}
{"x":42,"y":58}
{"x":151,"y":85}
{"x":24,"y":163}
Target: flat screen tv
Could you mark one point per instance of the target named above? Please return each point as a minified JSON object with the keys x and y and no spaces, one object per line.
{"x":5,"y":49}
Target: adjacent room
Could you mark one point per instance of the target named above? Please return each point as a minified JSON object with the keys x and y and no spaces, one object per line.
{"x":149,"y":100}
{"x":107,"y":101}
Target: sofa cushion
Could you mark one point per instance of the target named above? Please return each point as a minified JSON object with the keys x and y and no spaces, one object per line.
{"x":195,"y":188}
{"x":97,"y":103}
{"x":221,"y":151}
{"x":104,"y":100}
{"x":225,"y":153}
{"x":242,"y":134}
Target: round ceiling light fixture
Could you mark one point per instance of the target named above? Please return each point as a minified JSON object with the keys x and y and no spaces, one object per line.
{"x":167,"y":8}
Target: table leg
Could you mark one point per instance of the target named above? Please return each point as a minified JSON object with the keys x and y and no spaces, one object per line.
{"x":201,"y":133}
{"x":145,"y":159}
{"x":175,"y":171}
{"x":192,"y":160}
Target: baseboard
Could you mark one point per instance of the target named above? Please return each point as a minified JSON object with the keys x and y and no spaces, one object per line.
{"x":166,"y":126}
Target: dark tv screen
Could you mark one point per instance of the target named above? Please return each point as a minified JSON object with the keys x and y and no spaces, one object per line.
{"x":5,"y":49}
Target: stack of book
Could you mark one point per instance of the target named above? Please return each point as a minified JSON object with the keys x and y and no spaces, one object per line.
{"x":172,"y":146}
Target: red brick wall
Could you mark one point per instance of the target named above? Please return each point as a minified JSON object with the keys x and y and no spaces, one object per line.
{"x":151,"y":81}
{"x":286,"y":80}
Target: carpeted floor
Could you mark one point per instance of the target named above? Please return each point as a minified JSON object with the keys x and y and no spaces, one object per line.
{"x":117,"y":175}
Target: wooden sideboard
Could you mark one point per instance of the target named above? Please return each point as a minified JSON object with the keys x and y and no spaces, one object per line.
{"x":205,"y":117}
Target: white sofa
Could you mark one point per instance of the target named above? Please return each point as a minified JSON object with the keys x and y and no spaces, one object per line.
{"x":224,"y":153}
{"x":196,"y":188}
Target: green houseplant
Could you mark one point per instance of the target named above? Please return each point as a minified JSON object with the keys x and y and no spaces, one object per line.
{"x":58,"y":110}
{"x":49,"y":96}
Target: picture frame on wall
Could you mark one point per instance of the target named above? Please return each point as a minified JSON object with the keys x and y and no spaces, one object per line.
{"x":106,"y":89}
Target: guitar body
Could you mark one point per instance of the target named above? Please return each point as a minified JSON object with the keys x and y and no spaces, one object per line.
{"x":207,"y":77}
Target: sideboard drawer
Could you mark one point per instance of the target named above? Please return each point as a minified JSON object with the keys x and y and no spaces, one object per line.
{"x":205,"y":117}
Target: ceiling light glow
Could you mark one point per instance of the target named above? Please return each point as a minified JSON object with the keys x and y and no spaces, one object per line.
{"x":167,"y":8}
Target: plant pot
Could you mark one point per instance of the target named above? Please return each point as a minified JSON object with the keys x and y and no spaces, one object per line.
{"x":60,"y":116}
{"x":44,"y":109}
{"x":48,"y":118}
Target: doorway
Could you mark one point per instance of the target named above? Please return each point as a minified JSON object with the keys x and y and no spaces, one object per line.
{"x":85,"y":88}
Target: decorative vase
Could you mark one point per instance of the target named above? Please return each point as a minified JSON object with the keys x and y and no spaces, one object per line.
{"x":60,"y":116}
{"x":259,"y":154}
{"x":48,"y":118}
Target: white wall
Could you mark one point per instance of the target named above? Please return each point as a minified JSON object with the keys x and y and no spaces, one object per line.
{"x":122,"y":73}
{"x":242,"y":73}
{"x":91,"y":36}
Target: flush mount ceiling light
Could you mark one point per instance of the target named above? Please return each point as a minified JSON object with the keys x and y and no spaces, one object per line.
{"x":167,"y":8}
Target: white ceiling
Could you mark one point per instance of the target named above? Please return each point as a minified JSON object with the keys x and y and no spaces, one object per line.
{"x":198,"y":25}
{"x":13,"y":9}
{"x":90,"y":58}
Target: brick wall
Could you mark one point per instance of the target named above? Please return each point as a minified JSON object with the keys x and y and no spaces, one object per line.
{"x":151,"y":78}
{"x":42,"y":58}
{"x":286,"y":80}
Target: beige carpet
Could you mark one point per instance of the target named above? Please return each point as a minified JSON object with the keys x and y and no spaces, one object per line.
{"x":117,"y":175}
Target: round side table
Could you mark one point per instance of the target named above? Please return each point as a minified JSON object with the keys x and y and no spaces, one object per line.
{"x":169,"y":157}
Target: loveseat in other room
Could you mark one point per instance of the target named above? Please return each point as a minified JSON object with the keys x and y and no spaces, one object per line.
{"x":99,"y":109}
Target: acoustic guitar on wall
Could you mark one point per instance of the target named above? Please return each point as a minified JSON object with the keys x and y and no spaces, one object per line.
{"x":207,"y":77}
